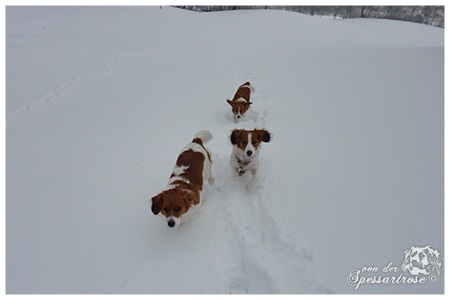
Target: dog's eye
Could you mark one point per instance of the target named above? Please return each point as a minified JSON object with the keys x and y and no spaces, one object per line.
{"x":178,"y":208}
{"x":166,"y":209}
{"x":254,"y":142}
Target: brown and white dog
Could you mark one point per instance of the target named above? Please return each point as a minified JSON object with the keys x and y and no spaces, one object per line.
{"x":186,"y":182}
{"x":246,"y":147}
{"x":241,"y":101}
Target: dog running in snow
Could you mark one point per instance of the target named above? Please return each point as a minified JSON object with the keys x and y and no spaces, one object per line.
{"x":186,"y":182}
{"x":246,"y":147}
{"x":240,"y":103}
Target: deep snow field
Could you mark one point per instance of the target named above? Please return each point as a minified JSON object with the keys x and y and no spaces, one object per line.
{"x":101,"y":100}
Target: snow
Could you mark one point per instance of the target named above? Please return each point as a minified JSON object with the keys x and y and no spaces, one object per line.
{"x":101,"y":100}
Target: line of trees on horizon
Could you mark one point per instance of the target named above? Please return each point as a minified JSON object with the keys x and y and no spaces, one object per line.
{"x":430,"y":15}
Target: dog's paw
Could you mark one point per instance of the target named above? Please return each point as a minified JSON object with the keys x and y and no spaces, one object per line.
{"x":251,"y":186}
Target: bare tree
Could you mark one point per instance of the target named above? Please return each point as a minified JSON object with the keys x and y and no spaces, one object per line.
{"x":392,"y":12}
{"x":364,"y":10}
{"x":413,"y":10}
{"x":348,"y":11}
{"x":436,"y":11}
{"x":336,"y":10}
{"x":426,"y":11}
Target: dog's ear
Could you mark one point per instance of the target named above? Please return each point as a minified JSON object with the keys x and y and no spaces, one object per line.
{"x":230,"y":102}
{"x":234,"y":136}
{"x":157,"y":203}
{"x":265,"y":135}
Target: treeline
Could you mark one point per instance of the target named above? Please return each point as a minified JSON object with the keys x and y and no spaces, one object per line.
{"x":430,"y":15}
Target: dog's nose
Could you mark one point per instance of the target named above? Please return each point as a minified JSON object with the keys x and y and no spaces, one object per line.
{"x":249,"y":153}
{"x":171,"y":223}
{"x":238,"y":116}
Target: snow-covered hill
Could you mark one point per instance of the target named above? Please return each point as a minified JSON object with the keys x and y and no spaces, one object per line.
{"x":101,"y":100}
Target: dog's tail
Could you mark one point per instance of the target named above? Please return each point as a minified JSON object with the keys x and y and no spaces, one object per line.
{"x":252,"y":88}
{"x":204,"y":136}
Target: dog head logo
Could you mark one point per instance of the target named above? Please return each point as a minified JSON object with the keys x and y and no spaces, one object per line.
{"x":421,"y":261}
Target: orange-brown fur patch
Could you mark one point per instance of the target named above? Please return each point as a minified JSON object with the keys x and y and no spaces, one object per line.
{"x":243,"y":92}
{"x":200,"y":142}
{"x":194,"y":173}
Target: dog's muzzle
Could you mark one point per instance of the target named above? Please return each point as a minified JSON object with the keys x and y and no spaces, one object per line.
{"x":171,"y":223}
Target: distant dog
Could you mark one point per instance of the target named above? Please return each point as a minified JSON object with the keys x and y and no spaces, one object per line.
{"x":246,"y":147}
{"x":241,"y":101}
{"x":186,"y":182}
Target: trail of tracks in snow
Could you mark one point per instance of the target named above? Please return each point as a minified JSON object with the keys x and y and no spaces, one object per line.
{"x":255,"y":243}
{"x":56,"y":95}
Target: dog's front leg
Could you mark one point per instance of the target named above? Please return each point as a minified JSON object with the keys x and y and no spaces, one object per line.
{"x":240,"y":171}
